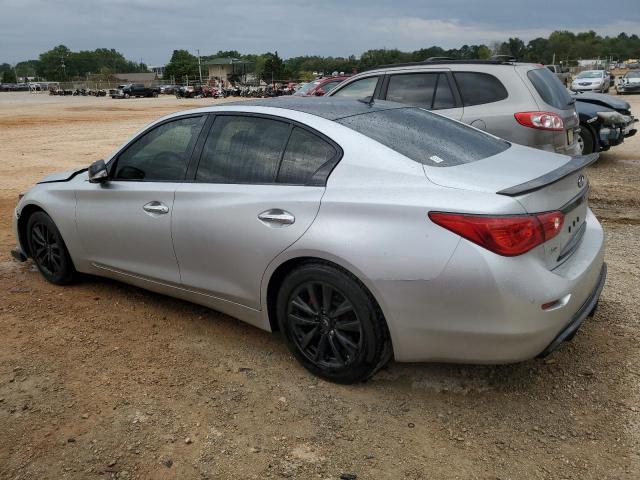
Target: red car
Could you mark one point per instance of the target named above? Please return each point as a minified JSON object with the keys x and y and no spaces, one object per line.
{"x":319,"y":87}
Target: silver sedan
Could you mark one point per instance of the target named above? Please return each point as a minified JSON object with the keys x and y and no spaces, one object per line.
{"x":362,"y":231}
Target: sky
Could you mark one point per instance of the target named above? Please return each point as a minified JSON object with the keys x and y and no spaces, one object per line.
{"x":149,"y":30}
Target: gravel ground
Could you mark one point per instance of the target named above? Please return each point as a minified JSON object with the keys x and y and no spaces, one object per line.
{"x":103,"y":380}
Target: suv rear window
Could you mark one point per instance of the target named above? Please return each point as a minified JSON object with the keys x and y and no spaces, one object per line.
{"x":550,"y":88}
{"x":425,"y":137}
{"x":477,"y":88}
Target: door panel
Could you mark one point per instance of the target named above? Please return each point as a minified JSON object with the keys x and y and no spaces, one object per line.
{"x":225,"y":235}
{"x":122,"y":226}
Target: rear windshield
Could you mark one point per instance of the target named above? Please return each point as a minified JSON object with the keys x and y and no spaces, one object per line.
{"x":550,"y":88}
{"x":426,"y":137}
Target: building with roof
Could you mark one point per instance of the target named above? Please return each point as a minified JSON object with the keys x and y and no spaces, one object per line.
{"x":227,"y":69}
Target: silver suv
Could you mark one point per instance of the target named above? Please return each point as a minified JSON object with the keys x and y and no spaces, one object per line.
{"x":520,"y":102}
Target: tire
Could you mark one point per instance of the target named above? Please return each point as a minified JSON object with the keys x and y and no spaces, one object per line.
{"x":48,"y":250}
{"x":586,"y":140}
{"x":126,"y":95}
{"x":154,"y":94}
{"x":331,"y":324}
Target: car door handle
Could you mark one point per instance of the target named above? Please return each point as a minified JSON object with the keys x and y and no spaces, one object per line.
{"x":276,"y":217}
{"x":156,"y":207}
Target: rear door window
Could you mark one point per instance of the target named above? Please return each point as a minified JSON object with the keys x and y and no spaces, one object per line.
{"x":305,"y":155}
{"x":365,"y":87}
{"x":415,"y":89}
{"x":477,"y":88}
{"x":550,"y":88}
{"x":243,"y":149}
{"x":428,"y":90}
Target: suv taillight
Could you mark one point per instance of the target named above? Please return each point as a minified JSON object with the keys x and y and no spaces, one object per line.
{"x":507,"y":235}
{"x":540,"y":120}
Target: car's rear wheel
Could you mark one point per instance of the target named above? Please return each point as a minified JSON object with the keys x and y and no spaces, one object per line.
{"x":48,"y":250}
{"x":331,"y":324}
{"x":586,"y":140}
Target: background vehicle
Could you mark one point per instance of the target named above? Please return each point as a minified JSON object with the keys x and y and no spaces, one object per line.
{"x":134,"y":90}
{"x":591,"y":81}
{"x":496,"y":260}
{"x":563,"y":73}
{"x":520,"y":102}
{"x":188,"y":91}
{"x":605,"y":121}
{"x":320,"y":87}
{"x":629,"y":83}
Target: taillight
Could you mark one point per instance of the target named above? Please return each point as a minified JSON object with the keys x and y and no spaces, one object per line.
{"x":540,"y":120}
{"x":507,"y":235}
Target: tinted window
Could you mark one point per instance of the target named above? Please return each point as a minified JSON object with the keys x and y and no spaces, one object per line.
{"x":359,"y":89}
{"x":444,"y":95}
{"x":242,"y":150}
{"x":161,"y":154}
{"x":413,"y":89}
{"x":477,"y":88}
{"x":425,"y":137}
{"x":550,"y":88}
{"x":306,"y":153}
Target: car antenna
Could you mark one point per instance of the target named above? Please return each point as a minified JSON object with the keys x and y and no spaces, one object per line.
{"x":368,"y":100}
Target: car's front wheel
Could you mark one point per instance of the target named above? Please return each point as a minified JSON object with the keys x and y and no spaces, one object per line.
{"x":331,"y":324}
{"x":48,"y":250}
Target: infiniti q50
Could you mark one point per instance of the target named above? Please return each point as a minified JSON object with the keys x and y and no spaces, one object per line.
{"x":362,"y":231}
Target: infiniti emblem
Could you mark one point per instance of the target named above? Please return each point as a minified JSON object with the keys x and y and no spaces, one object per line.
{"x":580,"y":181}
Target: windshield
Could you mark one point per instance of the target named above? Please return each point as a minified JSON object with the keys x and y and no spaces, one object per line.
{"x":306,"y":88}
{"x":426,"y":137}
{"x":633,"y":75}
{"x":590,"y":74}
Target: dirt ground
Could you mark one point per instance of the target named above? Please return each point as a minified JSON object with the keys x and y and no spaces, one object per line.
{"x":103,"y":380}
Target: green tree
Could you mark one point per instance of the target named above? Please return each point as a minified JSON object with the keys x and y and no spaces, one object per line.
{"x":9,"y":76}
{"x":181,"y":65}
{"x":273,"y":68}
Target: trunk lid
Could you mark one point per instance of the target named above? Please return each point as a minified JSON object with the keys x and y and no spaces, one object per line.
{"x":538,"y":181}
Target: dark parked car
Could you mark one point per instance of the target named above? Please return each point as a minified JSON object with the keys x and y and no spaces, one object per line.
{"x":605,"y":121}
{"x":188,"y":91}
{"x":134,"y":90}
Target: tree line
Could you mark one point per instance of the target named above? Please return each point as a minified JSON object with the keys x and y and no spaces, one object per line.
{"x":60,"y":63}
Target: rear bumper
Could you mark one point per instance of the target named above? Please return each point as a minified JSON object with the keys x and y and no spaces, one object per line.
{"x":484,"y":308}
{"x":587,"y":308}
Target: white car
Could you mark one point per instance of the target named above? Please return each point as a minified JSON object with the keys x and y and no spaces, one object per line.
{"x":591,"y":81}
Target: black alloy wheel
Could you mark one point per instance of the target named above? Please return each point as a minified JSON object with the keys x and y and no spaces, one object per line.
{"x":332,"y":324}
{"x":324,"y":324}
{"x":48,"y":250}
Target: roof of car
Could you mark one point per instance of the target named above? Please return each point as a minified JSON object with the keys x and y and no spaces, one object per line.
{"x":331,"y":108}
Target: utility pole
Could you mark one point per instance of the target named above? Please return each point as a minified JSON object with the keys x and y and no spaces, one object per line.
{"x":199,"y":66}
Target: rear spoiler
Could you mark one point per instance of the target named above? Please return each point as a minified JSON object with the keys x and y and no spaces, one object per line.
{"x":576,"y":163}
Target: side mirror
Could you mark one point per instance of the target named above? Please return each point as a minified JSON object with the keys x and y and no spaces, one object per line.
{"x":98,"y":172}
